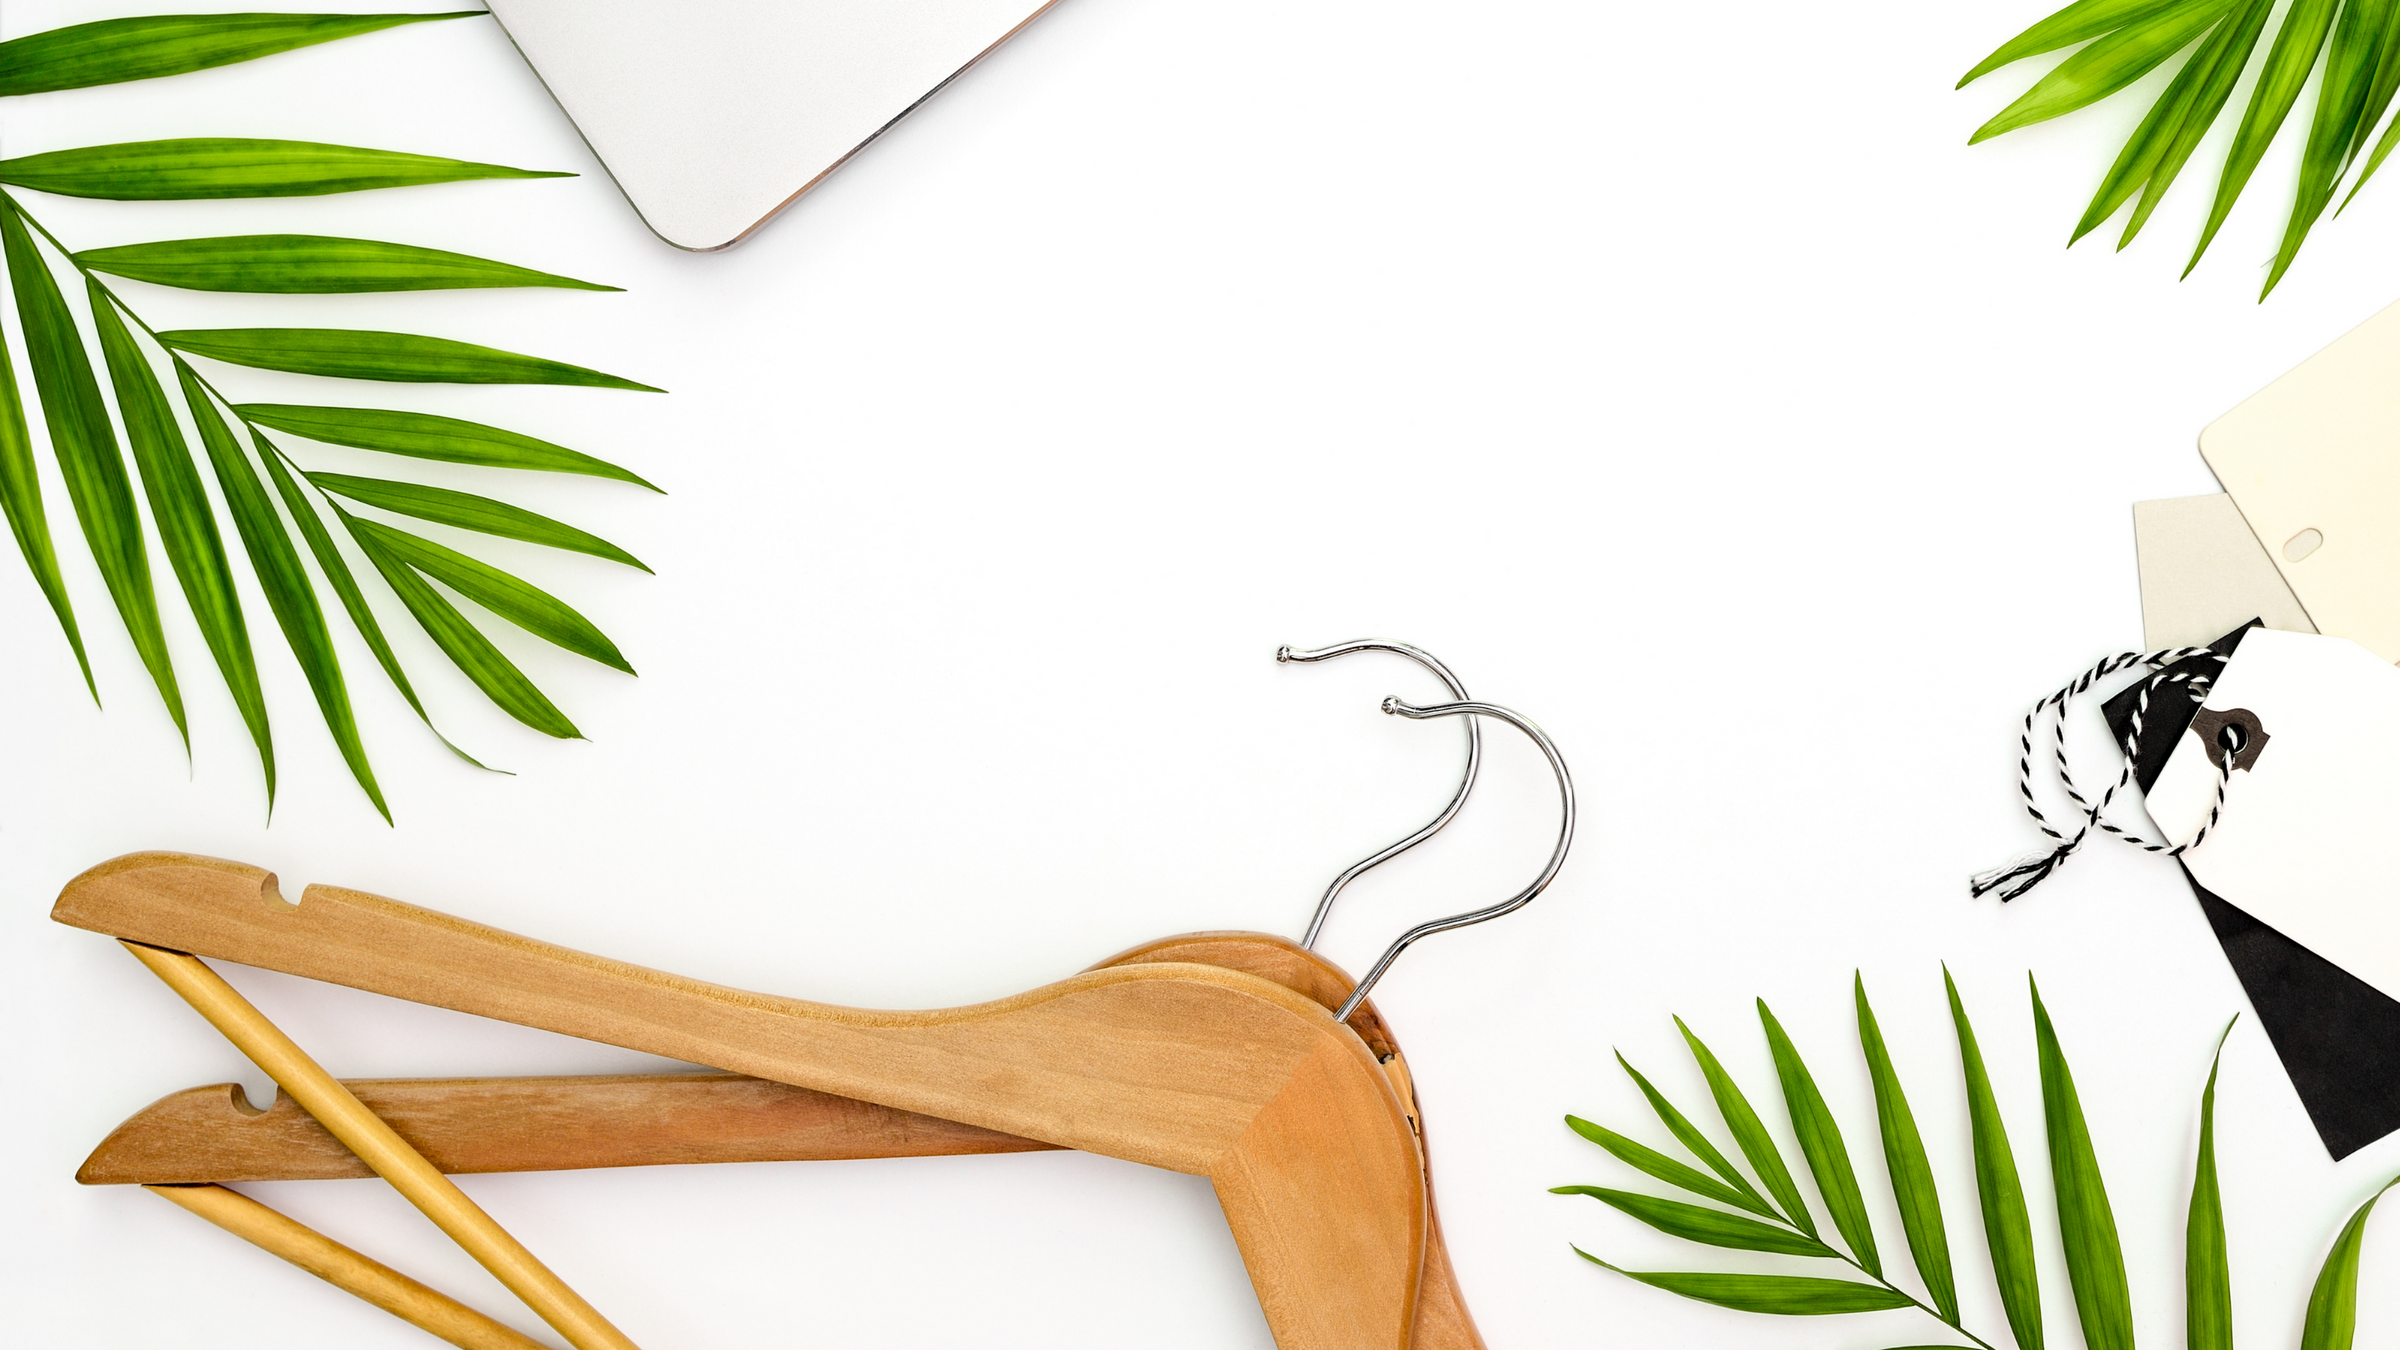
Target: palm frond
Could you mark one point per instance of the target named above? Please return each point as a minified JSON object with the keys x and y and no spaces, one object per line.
{"x":2088,"y":1233}
{"x":2356,"y":44}
{"x":267,"y":493}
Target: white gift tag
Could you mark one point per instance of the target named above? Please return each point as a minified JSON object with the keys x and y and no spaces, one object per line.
{"x":2312,"y":808}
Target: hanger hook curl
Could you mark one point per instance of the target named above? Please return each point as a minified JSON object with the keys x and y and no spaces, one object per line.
{"x":1558,"y":855}
{"x":1466,"y":782}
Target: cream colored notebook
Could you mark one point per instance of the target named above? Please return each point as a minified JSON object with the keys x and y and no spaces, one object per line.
{"x":2313,"y":462}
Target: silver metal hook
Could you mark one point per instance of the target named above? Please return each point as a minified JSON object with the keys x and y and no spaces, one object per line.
{"x":1466,"y":782}
{"x":1558,"y":855}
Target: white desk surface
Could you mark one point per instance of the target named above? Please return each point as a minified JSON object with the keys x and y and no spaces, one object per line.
{"x":1700,"y":394}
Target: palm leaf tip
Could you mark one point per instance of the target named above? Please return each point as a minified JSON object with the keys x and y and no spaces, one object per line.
{"x":1911,"y":1172}
{"x":1751,"y":1134}
{"x":1648,"y":1160}
{"x":308,"y":264}
{"x":2087,"y":1224}
{"x":21,"y":502}
{"x":277,"y":566}
{"x":2007,"y":1225}
{"x":1821,"y":1145}
{"x":1789,"y":1295}
{"x":84,"y":442}
{"x":115,"y":51}
{"x":367,"y":354}
{"x":186,"y":524}
{"x":219,"y":168}
{"x":426,"y":436}
{"x":1690,"y":1137}
{"x":467,"y":511}
{"x":2332,"y":1322}
{"x":1710,"y":1227}
{"x":2207,"y":1281}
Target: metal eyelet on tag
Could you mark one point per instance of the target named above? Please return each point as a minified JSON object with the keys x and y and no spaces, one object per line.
{"x":2250,"y":740}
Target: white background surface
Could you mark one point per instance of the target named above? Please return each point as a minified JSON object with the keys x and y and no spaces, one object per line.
{"x":1688,"y":386}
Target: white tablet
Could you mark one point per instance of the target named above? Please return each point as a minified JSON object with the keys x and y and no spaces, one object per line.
{"x":713,"y":115}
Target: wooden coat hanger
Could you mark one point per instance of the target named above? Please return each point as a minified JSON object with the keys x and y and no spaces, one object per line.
{"x":476,"y":1125}
{"x":1175,"y":1063}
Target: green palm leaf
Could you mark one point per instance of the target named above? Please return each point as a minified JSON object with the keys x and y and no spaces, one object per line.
{"x":527,"y":606}
{"x":83,"y":436}
{"x":116,"y":50}
{"x":21,"y":500}
{"x":2146,"y":150}
{"x":2207,"y":1283}
{"x":2380,"y":90}
{"x":1695,"y":1223}
{"x":2333,"y":1303}
{"x":2087,"y":1226}
{"x":470,"y":512}
{"x":1749,"y":1134}
{"x":2106,"y":66}
{"x":1821,"y":1144}
{"x":469,"y":650}
{"x":345,"y":585}
{"x":2223,"y":58}
{"x":2006,"y":1225}
{"x":2078,"y":22}
{"x":209,"y":168}
{"x":1683,"y":1129}
{"x":187,"y":528}
{"x":309,"y":264}
{"x":1904,"y":1157}
{"x":1666,"y":1169}
{"x":364,"y":354}
{"x":1791,"y":1295}
{"x":86,"y":447}
{"x":2383,"y":150}
{"x":425,"y":436}
{"x":2289,"y":60}
{"x":277,"y":567}
{"x":2350,"y":70}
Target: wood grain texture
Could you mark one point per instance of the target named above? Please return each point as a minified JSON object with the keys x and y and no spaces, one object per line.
{"x":1191,"y":1067}
{"x":347,"y":1270}
{"x":434,"y":1195}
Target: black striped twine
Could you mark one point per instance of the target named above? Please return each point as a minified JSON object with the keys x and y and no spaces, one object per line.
{"x":2027,"y":872}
